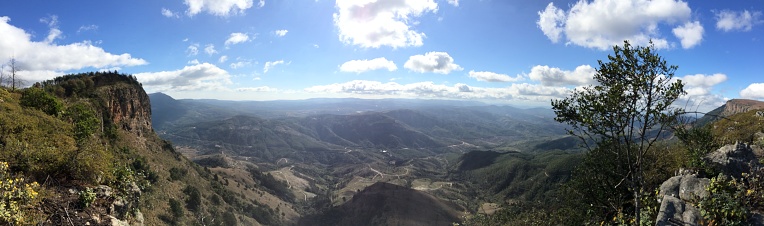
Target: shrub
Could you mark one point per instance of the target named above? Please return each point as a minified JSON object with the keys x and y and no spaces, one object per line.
{"x":17,"y":196}
{"x":87,"y":197}
{"x":194,"y":201}
{"x":177,"y":173}
{"x":41,"y":100}
{"x":176,"y":209}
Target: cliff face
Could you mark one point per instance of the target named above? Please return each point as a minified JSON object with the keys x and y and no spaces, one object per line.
{"x":128,"y":106}
{"x":732,"y":107}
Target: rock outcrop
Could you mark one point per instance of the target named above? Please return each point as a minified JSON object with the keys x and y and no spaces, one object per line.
{"x":679,"y":194}
{"x":128,"y":106}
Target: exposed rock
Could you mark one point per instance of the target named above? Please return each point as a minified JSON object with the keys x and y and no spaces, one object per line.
{"x":128,"y":106}
{"x":685,"y":187}
{"x":103,"y":191}
{"x":674,"y":211}
{"x":733,"y":160}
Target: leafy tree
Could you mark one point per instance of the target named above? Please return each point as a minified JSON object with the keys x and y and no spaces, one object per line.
{"x":622,"y":117}
{"x":38,"y":98}
{"x":84,"y":119}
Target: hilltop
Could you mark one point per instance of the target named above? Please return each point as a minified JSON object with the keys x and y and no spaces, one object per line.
{"x":88,"y":141}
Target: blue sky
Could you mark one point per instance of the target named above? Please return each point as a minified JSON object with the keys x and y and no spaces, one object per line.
{"x":515,"y":52}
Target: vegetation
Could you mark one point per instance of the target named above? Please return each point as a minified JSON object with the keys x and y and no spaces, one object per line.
{"x":623,"y":116}
{"x":17,"y":197}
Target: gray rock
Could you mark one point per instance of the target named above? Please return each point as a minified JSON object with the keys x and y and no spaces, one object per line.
{"x":733,"y":160}
{"x":674,"y":211}
{"x":693,"y":188}
{"x":685,"y":187}
{"x":104,"y":191}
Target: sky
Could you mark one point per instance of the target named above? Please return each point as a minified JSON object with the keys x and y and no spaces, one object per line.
{"x":522,"y":52}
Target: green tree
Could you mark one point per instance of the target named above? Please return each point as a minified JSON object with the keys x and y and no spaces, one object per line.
{"x":38,"y":98}
{"x":622,"y":117}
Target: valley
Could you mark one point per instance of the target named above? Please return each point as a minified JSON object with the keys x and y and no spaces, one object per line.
{"x":463,"y":155}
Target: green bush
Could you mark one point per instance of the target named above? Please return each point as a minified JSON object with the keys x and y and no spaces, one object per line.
{"x":84,"y":119}
{"x":87,"y":197}
{"x":177,"y":173}
{"x":176,"y":209}
{"x":41,"y":100}
{"x":194,"y":200}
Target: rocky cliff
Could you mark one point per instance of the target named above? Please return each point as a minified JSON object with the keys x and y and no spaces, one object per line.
{"x":732,"y":107}
{"x":127,"y":106}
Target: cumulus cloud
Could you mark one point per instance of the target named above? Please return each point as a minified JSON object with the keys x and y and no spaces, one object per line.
{"x":453,"y":2}
{"x":551,"y":22}
{"x":437,"y":62}
{"x":270,"y":64}
{"x":210,"y":49}
{"x":280,"y":33}
{"x":222,"y":8}
{"x":257,"y":89}
{"x":690,"y":34}
{"x":204,"y":76}
{"x":699,"y":88}
{"x":552,"y":76}
{"x":753,"y":91}
{"x":44,"y":60}
{"x":236,"y":38}
{"x":223,"y":59}
{"x":239,"y":64}
{"x":600,"y":24}
{"x":523,"y":91}
{"x":728,"y":20}
{"x":359,"y":66}
{"x":487,"y":76}
{"x":376,"y":23}
{"x":260,"y":4}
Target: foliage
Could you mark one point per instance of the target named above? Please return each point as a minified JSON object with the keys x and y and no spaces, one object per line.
{"x":17,"y":197}
{"x":276,"y":187}
{"x":721,"y":206}
{"x":84,"y":119}
{"x":177,"y":173}
{"x":739,"y":127}
{"x":176,"y":209}
{"x":194,"y":200}
{"x":41,"y":100}
{"x":699,"y":141}
{"x":622,"y":117}
{"x":87,"y":197}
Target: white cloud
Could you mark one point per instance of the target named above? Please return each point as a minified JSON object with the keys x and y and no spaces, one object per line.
{"x":552,"y":76}
{"x":194,"y":61}
{"x":193,"y":49}
{"x":727,"y":20}
{"x":270,"y":64}
{"x":91,"y":27}
{"x":261,"y":3}
{"x":41,"y":59}
{"x":437,"y":62}
{"x":551,"y":22}
{"x":169,"y":13}
{"x":236,"y":38}
{"x":601,"y":24}
{"x":753,"y":91}
{"x":359,"y":66}
{"x":257,"y":89}
{"x":210,"y":49}
{"x":523,"y":91}
{"x":453,"y":2}
{"x":204,"y":76}
{"x":240,"y":64}
{"x":218,"y":7}
{"x":280,"y":33}
{"x":690,"y":34}
{"x":54,"y":32}
{"x":699,"y":88}
{"x":487,"y":76}
{"x":376,"y":23}
{"x":223,"y":59}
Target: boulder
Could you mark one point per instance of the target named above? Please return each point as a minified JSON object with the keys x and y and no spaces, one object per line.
{"x":733,"y":160}
{"x":674,"y":211}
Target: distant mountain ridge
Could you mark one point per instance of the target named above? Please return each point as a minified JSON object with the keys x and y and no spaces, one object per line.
{"x":730,"y":108}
